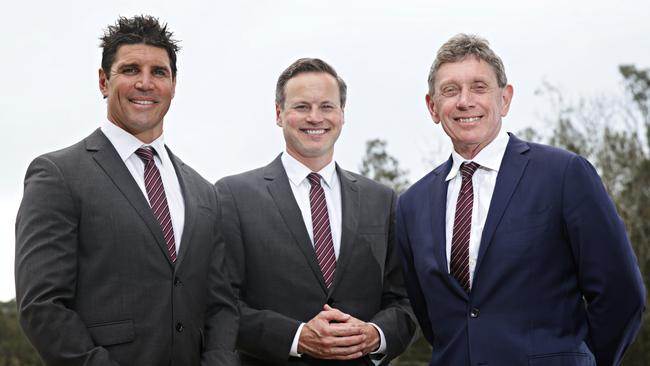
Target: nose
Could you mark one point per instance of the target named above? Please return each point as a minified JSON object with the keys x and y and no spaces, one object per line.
{"x":144,"y":83}
{"x":465,"y":99}
{"x":315,"y":115}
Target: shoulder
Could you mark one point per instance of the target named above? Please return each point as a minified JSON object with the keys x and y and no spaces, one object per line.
{"x":424,"y":184}
{"x":242,"y":179}
{"x":364,"y":182}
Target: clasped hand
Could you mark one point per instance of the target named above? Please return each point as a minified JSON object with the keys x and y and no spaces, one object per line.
{"x":334,"y":335}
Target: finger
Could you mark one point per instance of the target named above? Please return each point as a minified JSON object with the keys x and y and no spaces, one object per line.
{"x":344,"y":329}
{"x":357,"y":340}
{"x":334,"y":315}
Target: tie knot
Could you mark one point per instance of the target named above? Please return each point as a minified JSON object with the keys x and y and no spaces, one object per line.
{"x":145,"y":153}
{"x":314,"y":179}
{"x":468,"y":169}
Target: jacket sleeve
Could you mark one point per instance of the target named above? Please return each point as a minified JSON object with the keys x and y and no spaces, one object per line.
{"x":263,"y":334}
{"x":222,"y":315}
{"x":413,"y":288}
{"x":396,"y":317}
{"x":47,"y":230}
{"x":608,"y":273}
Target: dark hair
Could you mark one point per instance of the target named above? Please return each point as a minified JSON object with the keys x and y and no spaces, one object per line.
{"x":141,"y":29}
{"x":307,"y":65}
{"x":460,"y":46}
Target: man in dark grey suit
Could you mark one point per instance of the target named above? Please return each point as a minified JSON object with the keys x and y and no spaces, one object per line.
{"x":312,"y":246}
{"x":118,"y":258}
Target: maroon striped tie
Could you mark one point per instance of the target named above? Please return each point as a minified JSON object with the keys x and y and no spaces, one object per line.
{"x":320,"y":221}
{"x":157,"y":198}
{"x":462,"y":227}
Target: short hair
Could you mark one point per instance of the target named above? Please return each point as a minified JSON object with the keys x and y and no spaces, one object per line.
{"x":461,"y":46}
{"x":304,"y":65}
{"x":140,"y":29}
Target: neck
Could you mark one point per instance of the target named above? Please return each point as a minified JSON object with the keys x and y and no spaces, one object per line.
{"x":315,"y":164}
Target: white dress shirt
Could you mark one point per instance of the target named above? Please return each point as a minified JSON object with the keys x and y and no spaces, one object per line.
{"x":126,"y":145}
{"x":297,"y":174}
{"x":483,"y":182}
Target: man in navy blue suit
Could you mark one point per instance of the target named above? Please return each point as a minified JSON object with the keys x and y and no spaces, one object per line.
{"x":513,"y":252}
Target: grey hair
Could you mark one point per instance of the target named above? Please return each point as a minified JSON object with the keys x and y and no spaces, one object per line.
{"x":462,"y":45}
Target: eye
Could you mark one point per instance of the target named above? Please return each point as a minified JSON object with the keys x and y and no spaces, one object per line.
{"x":327,"y":107}
{"x":301,"y":107}
{"x":449,"y":91}
{"x":160,"y":72}
{"x":479,"y":88}
{"x":129,"y":70}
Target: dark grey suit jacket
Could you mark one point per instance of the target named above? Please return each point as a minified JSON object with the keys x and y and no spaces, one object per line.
{"x":276,"y":274}
{"x":94,"y":282}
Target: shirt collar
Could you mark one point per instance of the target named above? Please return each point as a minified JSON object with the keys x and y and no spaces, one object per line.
{"x":488,"y":158}
{"x":126,"y":144}
{"x":297,"y":172}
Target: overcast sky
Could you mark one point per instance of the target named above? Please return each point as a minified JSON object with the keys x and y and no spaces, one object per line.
{"x":222,"y":119}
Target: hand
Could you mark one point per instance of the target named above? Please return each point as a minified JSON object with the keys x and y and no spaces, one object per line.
{"x":372,"y":337}
{"x":329,"y":335}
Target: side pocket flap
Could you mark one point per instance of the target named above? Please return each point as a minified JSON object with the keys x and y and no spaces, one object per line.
{"x":106,"y":334}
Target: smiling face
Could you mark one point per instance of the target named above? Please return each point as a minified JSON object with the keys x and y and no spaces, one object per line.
{"x":311,"y":118}
{"x":139,"y":90}
{"x":469,"y":104}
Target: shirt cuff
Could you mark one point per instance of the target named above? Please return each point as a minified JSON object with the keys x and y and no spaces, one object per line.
{"x":294,"y":345}
{"x":382,"y":341}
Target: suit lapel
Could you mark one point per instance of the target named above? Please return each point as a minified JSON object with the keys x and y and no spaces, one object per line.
{"x":109,"y":160}
{"x":280,"y":190}
{"x":438,"y":204}
{"x":349,"y":222}
{"x":190,"y":203}
{"x":512,"y":169}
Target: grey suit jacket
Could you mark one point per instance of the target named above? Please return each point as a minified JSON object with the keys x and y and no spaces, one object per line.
{"x":94,"y":282}
{"x":276,"y":274}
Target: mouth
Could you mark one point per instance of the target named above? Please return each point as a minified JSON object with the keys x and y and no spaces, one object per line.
{"x":467,"y":119}
{"x":144,"y":102}
{"x":314,"y":131}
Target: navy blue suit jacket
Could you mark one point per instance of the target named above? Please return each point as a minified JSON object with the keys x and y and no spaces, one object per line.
{"x":556,"y":281}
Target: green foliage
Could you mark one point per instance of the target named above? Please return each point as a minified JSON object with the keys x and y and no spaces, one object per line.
{"x":383,"y":168}
{"x":15,"y":350}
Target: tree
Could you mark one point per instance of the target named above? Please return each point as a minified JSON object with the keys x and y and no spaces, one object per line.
{"x":383,"y":168}
{"x":15,"y":350}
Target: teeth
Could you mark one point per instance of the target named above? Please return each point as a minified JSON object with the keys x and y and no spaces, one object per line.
{"x":469,"y":119}
{"x":315,"y":132}
{"x":143,"y":102}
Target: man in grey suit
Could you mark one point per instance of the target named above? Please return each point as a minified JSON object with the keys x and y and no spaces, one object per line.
{"x":118,"y":258}
{"x":312,"y":246}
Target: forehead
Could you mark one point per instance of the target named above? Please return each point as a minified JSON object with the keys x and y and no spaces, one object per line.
{"x":469,"y":69}
{"x":141,"y":54}
{"x":312,"y":84}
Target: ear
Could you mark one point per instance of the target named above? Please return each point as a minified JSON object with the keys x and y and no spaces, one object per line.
{"x":278,"y":112}
{"x":432,"y":108}
{"x":103,"y":83}
{"x":506,"y":98}
{"x":173,"y":87}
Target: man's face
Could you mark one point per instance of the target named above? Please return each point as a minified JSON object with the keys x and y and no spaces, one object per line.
{"x":469,"y":103}
{"x":311,"y":118}
{"x":139,"y":90}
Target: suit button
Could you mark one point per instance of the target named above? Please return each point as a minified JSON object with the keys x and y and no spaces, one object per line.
{"x":474,"y":313}
{"x":179,"y":327}
{"x":177,"y":282}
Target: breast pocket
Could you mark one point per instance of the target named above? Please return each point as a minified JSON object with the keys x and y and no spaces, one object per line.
{"x":525,"y":222}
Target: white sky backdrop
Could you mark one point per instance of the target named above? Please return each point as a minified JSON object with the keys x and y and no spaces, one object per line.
{"x":222,"y":119}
